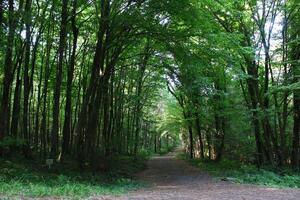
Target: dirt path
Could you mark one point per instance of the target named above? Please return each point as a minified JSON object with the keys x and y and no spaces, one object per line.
{"x":174,"y":179}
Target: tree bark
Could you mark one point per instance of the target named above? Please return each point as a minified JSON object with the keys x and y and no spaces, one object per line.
{"x":8,"y":76}
{"x":295,"y":57}
{"x":198,"y":127}
{"x":16,"y":100}
{"x":296,"y":129}
{"x":92,"y":89}
{"x":57,"y":90}
{"x":68,"y":109}
{"x":253,"y":89}
{"x":26,"y":75}
{"x":139,"y":90}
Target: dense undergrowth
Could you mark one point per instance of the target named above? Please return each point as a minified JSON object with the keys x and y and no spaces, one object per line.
{"x":237,"y":172}
{"x":29,"y":179}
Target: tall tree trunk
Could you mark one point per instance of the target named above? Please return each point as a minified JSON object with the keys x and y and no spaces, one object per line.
{"x":16,"y":100}
{"x":44,"y":131}
{"x":198,"y":127}
{"x":35,"y":121}
{"x":92,"y":90}
{"x":284,"y":115}
{"x":266,"y":121}
{"x":221,"y":146}
{"x":190,"y":129}
{"x":111,"y":112}
{"x":8,"y":76}
{"x":253,"y":89}
{"x":142,"y":69}
{"x":59,"y":69}
{"x":296,"y":129}
{"x":39,"y":100}
{"x":68,"y":109}
{"x":295,"y":57}
{"x":26,"y":75}
{"x":187,"y":116}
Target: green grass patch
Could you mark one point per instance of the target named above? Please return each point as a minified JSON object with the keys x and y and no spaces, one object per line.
{"x":239,"y":173}
{"x":23,"y":179}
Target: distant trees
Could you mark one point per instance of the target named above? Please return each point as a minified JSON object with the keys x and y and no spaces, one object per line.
{"x":253,"y":64}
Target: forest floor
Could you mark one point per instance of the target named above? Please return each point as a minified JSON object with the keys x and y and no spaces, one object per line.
{"x":175,"y":179}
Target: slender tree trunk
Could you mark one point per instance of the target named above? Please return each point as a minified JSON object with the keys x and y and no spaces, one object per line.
{"x":97,"y":72}
{"x":296,"y":130}
{"x":35,"y":121}
{"x":16,"y":101}
{"x":266,"y":123}
{"x":221,"y":146}
{"x":37,"y":113}
{"x":44,"y":131}
{"x":209,"y":144}
{"x":8,"y":76}
{"x":111,"y":111}
{"x":59,"y":69}
{"x":284,"y":115}
{"x":26,"y":75}
{"x":106,"y":119}
{"x":198,"y":127}
{"x":295,"y":57}
{"x":139,"y":91}
{"x":68,"y":109}
{"x":191,"y":139}
{"x":252,"y":83}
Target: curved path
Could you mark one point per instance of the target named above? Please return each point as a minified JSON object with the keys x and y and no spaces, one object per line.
{"x":174,"y":179}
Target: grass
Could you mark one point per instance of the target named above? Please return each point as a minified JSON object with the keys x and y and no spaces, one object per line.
{"x":23,"y":179}
{"x":239,"y":173}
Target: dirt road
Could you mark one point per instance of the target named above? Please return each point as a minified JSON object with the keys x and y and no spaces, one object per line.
{"x":174,"y":179}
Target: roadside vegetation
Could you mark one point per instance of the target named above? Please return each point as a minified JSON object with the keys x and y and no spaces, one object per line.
{"x":21,"y":178}
{"x":234,"y":171}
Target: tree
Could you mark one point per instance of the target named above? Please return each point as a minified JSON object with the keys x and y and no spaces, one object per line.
{"x":68,"y":108}
{"x":8,"y":76}
{"x":294,"y":58}
{"x":57,"y":90}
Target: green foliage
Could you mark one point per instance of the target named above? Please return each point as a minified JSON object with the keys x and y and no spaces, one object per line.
{"x":170,"y":119}
{"x":29,"y":180}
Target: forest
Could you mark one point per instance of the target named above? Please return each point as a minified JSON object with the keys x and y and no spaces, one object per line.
{"x":99,"y":86}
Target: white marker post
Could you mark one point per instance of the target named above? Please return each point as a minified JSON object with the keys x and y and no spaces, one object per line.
{"x":49,"y":162}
